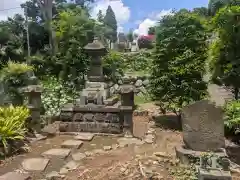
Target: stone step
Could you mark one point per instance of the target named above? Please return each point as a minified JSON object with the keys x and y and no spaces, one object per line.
{"x":84,"y":136}
{"x":59,"y":153}
{"x":15,"y":176}
{"x":72,"y":144}
{"x":35,"y":164}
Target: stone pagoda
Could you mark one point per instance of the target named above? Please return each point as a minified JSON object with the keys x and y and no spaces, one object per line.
{"x":95,"y":110}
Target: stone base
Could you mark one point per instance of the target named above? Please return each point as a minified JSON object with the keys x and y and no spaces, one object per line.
{"x":213,"y":174}
{"x":186,"y":156}
{"x":114,"y":128}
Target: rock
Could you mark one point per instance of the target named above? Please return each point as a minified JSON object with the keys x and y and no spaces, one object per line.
{"x":76,"y":144}
{"x":84,"y":136}
{"x":15,"y":176}
{"x":143,"y":90}
{"x":161,"y":154}
{"x":115,"y":146}
{"x":49,"y":130}
{"x":112,"y":90}
{"x":63,"y":171}
{"x":149,"y":139}
{"x":123,"y":142}
{"x":78,"y":156}
{"x":98,"y":151}
{"x":54,"y":176}
{"x":61,"y":153}
{"x":88,"y":153}
{"x":71,"y":165}
{"x":35,"y":164}
{"x":151,"y":131}
{"x":120,"y":82}
{"x":116,"y":87}
{"x":110,"y":84}
{"x":138,"y":83}
{"x":107,"y":148}
{"x":146,"y":82}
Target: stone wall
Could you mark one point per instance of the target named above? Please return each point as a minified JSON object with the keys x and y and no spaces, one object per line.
{"x":140,"y":82}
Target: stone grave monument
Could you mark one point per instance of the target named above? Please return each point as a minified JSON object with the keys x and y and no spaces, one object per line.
{"x":203,"y":130}
{"x":95,"y":110}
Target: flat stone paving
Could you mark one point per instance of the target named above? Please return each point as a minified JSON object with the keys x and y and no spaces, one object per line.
{"x":35,"y":164}
{"x":84,"y":136}
{"x":72,"y":144}
{"x":61,"y":153}
{"x":15,"y":176}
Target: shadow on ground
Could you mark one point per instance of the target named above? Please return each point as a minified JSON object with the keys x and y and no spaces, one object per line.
{"x":168,"y":121}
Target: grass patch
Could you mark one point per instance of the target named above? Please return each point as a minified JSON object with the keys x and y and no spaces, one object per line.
{"x":141,"y":99}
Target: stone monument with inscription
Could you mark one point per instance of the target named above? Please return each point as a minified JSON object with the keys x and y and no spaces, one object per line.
{"x":203,"y":130}
{"x":95,"y":110}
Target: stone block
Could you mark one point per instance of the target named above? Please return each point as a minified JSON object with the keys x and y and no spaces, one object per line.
{"x":15,"y":176}
{"x":75,"y":144}
{"x":84,"y":136}
{"x":35,"y":164}
{"x":213,"y":174}
{"x":59,"y":153}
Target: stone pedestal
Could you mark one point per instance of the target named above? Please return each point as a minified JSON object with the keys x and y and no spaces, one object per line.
{"x":127,"y":105}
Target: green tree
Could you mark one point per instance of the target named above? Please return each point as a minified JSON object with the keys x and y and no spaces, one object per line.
{"x":100,"y":16}
{"x":178,"y":62}
{"x":151,"y":31}
{"x":130,"y":35}
{"x":215,"y":5}
{"x":224,"y":54}
{"x":111,"y":23}
{"x":74,"y":29}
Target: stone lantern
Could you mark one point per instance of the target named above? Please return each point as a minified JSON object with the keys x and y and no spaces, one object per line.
{"x":33,"y":93}
{"x":95,"y":50}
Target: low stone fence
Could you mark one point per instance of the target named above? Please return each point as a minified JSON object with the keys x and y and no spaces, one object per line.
{"x":140,"y":82}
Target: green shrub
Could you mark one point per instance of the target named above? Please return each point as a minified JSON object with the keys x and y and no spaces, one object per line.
{"x":113,"y":65}
{"x":232,"y":116}
{"x":12,"y":124}
{"x":14,"y":77}
{"x":140,"y":61}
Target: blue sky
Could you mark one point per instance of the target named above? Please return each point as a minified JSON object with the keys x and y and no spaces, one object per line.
{"x":141,"y":14}
{"x":136,"y":14}
{"x":142,"y":9}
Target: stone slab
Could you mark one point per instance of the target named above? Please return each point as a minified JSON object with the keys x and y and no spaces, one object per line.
{"x":15,"y":176}
{"x":76,"y":144}
{"x":61,"y":153}
{"x":35,"y":164}
{"x":213,"y":174}
{"x":84,"y":136}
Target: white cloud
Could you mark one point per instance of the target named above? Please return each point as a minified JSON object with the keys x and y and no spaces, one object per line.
{"x":151,"y":21}
{"x":121,"y":11}
{"x":10,"y":7}
{"x":144,"y":26}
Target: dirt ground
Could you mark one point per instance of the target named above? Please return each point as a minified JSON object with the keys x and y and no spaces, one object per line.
{"x":125,"y":163}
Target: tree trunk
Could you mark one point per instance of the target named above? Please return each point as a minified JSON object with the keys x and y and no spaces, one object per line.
{"x":236,"y":92}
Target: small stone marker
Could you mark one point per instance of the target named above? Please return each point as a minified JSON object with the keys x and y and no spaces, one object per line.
{"x":84,"y":136}
{"x":78,"y":156}
{"x":72,"y":144}
{"x":15,"y":176}
{"x":61,"y":153}
{"x":203,"y":126}
{"x":35,"y":164}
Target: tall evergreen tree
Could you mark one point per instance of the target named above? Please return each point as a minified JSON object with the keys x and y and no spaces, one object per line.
{"x":111,"y":22}
{"x":100,"y":16}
